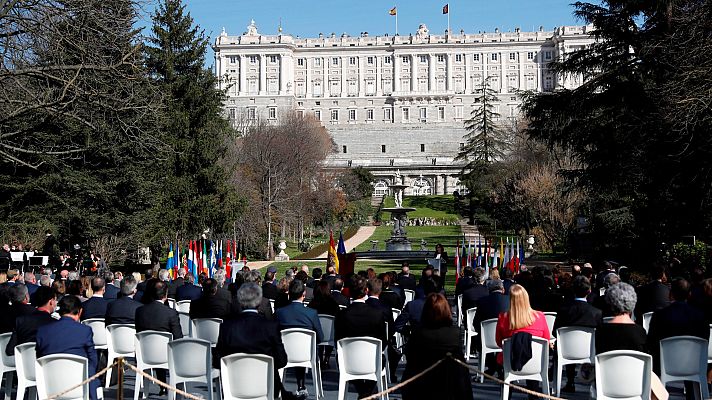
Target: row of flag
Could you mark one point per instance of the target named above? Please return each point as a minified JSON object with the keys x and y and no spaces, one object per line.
{"x":486,"y":254}
{"x":394,"y":11}
{"x":204,"y":256}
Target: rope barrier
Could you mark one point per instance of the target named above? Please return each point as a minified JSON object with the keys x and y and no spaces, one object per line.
{"x":164,"y":385}
{"x":405,"y":382}
{"x":84,"y":382}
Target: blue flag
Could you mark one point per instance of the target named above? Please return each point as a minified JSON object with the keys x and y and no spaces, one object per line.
{"x":341,"y":247}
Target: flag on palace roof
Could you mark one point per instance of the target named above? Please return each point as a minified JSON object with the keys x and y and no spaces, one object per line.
{"x":446,"y":8}
{"x":393,"y":11}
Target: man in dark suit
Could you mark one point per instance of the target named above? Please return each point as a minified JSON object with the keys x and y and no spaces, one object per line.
{"x":316,"y":278}
{"x":308,"y":292}
{"x":111,"y":291}
{"x":471,"y":296}
{"x":336,"y":288}
{"x":26,"y":325}
{"x":249,"y":332}
{"x":220,"y":277}
{"x":31,"y":282}
{"x":19,"y":298}
{"x":123,"y":310}
{"x":375,"y":287}
{"x":653,"y":296}
{"x":467,"y":281}
{"x":95,"y":306}
{"x":507,"y":279}
{"x":68,"y":336}
{"x":295,"y":315}
{"x":577,"y":313}
{"x":176,"y":283}
{"x":405,"y":279}
{"x":265,"y":308}
{"x":188,"y":291}
{"x":269,"y":290}
{"x":409,"y":319}
{"x":360,"y":319}
{"x":209,"y":305}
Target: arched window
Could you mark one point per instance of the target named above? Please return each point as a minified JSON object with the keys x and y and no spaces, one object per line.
{"x":422,"y":187}
{"x":380,"y":188}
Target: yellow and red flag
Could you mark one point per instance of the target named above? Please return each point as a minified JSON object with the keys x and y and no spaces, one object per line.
{"x":393,"y":11}
{"x":332,"y":257}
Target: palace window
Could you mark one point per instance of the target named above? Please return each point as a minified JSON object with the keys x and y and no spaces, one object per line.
{"x":406,"y":60}
{"x":317,"y":115}
{"x":423,"y":59}
{"x":406,"y":114}
{"x":387,"y":115}
{"x":476,"y":57}
{"x":494,"y":56}
{"x":317,"y":62}
{"x":441,"y":58}
{"x":512,"y":56}
{"x":369,"y":60}
{"x":352,"y":115}
{"x":530,"y":55}
{"x":423,"y":114}
{"x":300,"y":62}
{"x":352,"y":60}
{"x":273,"y":59}
{"x":441,"y":113}
{"x":387,"y":59}
{"x":272,"y":113}
{"x":334,"y":115}
{"x":233,"y":59}
{"x":369,"y":114}
{"x":335,"y":61}
{"x":253,"y":59}
{"x":458,"y":58}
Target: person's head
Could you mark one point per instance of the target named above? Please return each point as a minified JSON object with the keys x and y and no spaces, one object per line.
{"x":439,"y":249}
{"x":316,"y":273}
{"x":220,"y":277}
{"x":436,"y":312}
{"x":429,"y":286}
{"x":128,"y":285}
{"x":210,"y":286}
{"x":160,"y":290}
{"x":494,"y":274}
{"x":108,"y":277}
{"x":74,"y":288}
{"x":97,"y":285}
{"x":305,"y":269}
{"x":479,"y":275}
{"x":269,"y":276}
{"x":149,"y":273}
{"x":164,"y":275}
{"x":359,"y":287}
{"x":581,"y":286}
{"x":657,"y":273}
{"x":520,"y":310}
{"x":331,"y":270}
{"x":189,"y":278}
{"x":302,"y":276}
{"x":338,"y":284}
{"x":252,"y":276}
{"x":468,"y":271}
{"x":45,"y":280}
{"x":387,"y":280}
{"x":249,"y":296}
{"x":289,"y":273}
{"x":3,"y":277}
{"x":405,"y":268}
{"x":70,"y":306}
{"x":29,"y":277}
{"x":59,"y":287}
{"x":495,"y":285}
{"x":44,"y":298}
{"x":13,"y":275}
{"x":375,"y":286}
{"x":296,"y":290}
{"x":19,"y":294}
{"x":283,"y":284}
{"x":370,"y":273}
{"x":322,"y":289}
{"x":507,"y":273}
{"x":137,"y":277}
{"x":621,"y":298}
{"x":680,"y":289}
{"x":181,"y":272}
{"x":610,"y":280}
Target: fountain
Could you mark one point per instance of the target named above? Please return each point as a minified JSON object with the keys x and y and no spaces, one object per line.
{"x":399,"y":215}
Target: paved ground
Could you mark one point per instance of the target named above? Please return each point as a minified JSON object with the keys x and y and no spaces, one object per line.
{"x":361,"y":235}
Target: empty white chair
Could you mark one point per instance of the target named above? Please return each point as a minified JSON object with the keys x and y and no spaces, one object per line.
{"x":25,"y":365}
{"x":623,"y":374}
{"x":120,"y":341}
{"x":550,"y":320}
{"x":684,"y":358}
{"x":171,"y":303}
{"x":536,"y":369}
{"x":469,"y":330}
{"x":247,"y":377}
{"x":574,"y":345}
{"x":151,"y":353}
{"x":58,"y":372}
{"x":646,"y":321}
{"x":207,"y":329}
{"x":409,"y":296}
{"x":7,"y":364}
{"x":300,"y":345}
{"x":183,"y":305}
{"x":99,"y":332}
{"x":459,"y":310}
{"x":488,"y":328}
{"x":185,"y":324}
{"x":190,"y":360}
{"x":360,"y":358}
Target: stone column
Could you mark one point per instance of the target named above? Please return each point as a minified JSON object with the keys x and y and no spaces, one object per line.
{"x":242,"y":68}
{"x":361,"y":76}
{"x":432,"y":85}
{"x":325,"y":86}
{"x":520,"y":65}
{"x":467,"y":82}
{"x":445,"y":186}
{"x":282,"y":75}
{"x":503,"y":60}
{"x":396,"y":73}
{"x":448,"y":70}
{"x":308,"y":79}
{"x":413,"y":73}
{"x":263,"y":74}
{"x":378,"y":76}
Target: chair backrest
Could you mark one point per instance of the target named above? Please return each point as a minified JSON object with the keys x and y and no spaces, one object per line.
{"x":342,"y":307}
{"x":469,"y":317}
{"x":360,"y":356}
{"x":58,"y":372}
{"x":247,"y":376}
{"x":488,"y":328}
{"x":7,"y":361}
{"x":576,"y":343}
{"x":300,"y":344}
{"x":409,"y":295}
{"x":121,"y":338}
{"x":539,"y":362}
{"x":327,"y":328}
{"x":683,"y":357}
{"x":185,"y":323}
{"x":152,"y":347}
{"x":25,"y":361}
{"x":623,"y":374}
{"x":396,"y":313}
{"x":646,"y":320}
{"x":171,"y":303}
{"x":550,"y":320}
{"x":607,"y":319}
{"x":207,"y":329}
{"x":99,"y":331}
{"x":271,"y":304}
{"x":189,"y":358}
{"x":183,"y":305}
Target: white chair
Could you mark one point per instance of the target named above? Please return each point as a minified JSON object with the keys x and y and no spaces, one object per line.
{"x":550,"y":320}
{"x":207,"y":329}
{"x":185,"y":324}
{"x":271,"y":304}
{"x":247,"y":377}
{"x":151,"y":353}
{"x":171,"y":303}
{"x":684,"y":358}
{"x":360,"y":358}
{"x":409,"y":296}
{"x":459,"y":310}
{"x":709,"y":347}
{"x":399,"y":338}
{"x":342,"y":307}
{"x":574,"y":345}
{"x":536,"y":369}
{"x":120,"y":341}
{"x":489,"y":343}
{"x":25,"y":359}
{"x":623,"y":375}
{"x":470,"y":331}
{"x":183,"y":305}
{"x":327,"y":329}
{"x":7,"y":364}
{"x":99,"y":332}
{"x":300,"y":345}
{"x":646,"y":321}
{"x":190,"y":360}
{"x":58,"y":372}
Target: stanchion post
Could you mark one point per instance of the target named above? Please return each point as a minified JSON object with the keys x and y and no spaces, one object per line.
{"x":120,"y":377}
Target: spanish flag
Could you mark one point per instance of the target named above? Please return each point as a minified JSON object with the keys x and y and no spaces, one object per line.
{"x":393,"y":11}
{"x":446,"y":8}
{"x":332,"y":257}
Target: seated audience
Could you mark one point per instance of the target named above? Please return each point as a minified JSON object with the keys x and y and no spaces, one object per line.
{"x":188,"y":291}
{"x":26,"y":325}
{"x":209,"y":305}
{"x":123,"y":309}
{"x":621,"y":333}
{"x":95,"y":306}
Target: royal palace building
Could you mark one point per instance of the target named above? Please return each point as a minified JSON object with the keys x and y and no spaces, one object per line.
{"x":393,"y":104}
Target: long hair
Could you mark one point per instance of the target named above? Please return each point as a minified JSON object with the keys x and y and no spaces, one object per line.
{"x":436,"y":311}
{"x":520,"y":313}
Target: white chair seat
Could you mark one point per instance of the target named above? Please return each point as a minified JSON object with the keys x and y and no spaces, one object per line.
{"x":684,"y":358}
{"x":488,"y":329}
{"x":623,"y":375}
{"x":575,"y":345}
{"x":190,"y":360}
{"x":207,"y":329}
{"x":99,"y":332}
{"x":58,"y":372}
{"x":470,"y":331}
{"x":120,"y":341}
{"x":25,"y":359}
{"x":360,"y":358}
{"x":7,"y":364}
{"x":247,"y":377}
{"x":151,"y":353}
{"x":300,"y":346}
{"x":536,"y":369}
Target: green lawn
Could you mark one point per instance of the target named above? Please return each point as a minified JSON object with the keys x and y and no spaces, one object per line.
{"x":438,"y":207}
{"x":447,"y":235}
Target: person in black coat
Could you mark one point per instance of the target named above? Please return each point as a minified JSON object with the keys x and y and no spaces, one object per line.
{"x":26,"y":325}
{"x":336,"y":287}
{"x":95,"y":306}
{"x":249,"y":332}
{"x":176,"y":283}
{"x":653,"y":296}
{"x":323,"y":302}
{"x":123,"y":309}
{"x":269,"y":289}
{"x":578,"y":313}
{"x":264,"y":309}
{"x":188,"y":291}
{"x":471,"y":296}
{"x":467,"y":281}
{"x":210,"y":305}
{"x":488,"y":307}
{"x":388,"y":296}
{"x":434,"y":340}
{"x":111,"y":291}
{"x":405,"y":280}
{"x":19,"y":298}
{"x":374,"y":292}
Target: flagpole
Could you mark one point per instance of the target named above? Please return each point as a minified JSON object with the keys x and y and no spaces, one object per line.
{"x":396,"y":7}
{"x":449,"y":32}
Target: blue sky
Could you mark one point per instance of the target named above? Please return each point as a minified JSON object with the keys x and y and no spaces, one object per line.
{"x":309,"y":18}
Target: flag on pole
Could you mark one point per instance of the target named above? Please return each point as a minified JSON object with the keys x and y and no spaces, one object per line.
{"x":213,"y":258}
{"x":479,"y":251}
{"x":457,"y":261}
{"x":170,"y":260}
{"x":228,"y":260}
{"x":393,"y":11}
{"x":521,"y":254}
{"x":341,"y":249}
{"x":220,"y":254}
{"x":191,"y":254}
{"x":469,"y":253}
{"x":446,"y":8}
{"x":333,"y":257}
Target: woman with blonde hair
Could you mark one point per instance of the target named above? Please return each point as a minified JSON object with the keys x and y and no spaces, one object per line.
{"x":520,"y":318}
{"x":494,"y":274}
